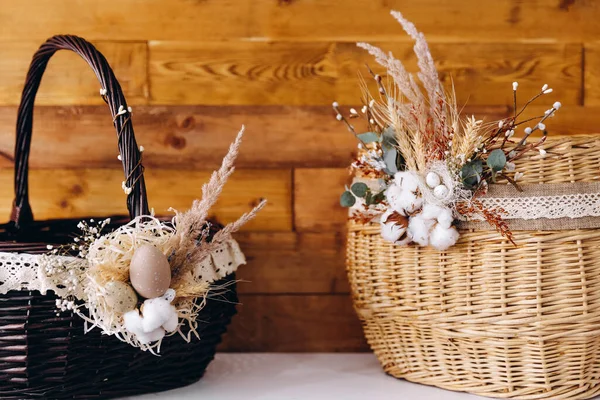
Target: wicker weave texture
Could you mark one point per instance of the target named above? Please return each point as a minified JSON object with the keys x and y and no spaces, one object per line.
{"x":485,"y":316}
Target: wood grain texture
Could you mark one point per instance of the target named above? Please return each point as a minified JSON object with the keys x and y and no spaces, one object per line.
{"x":288,"y":323}
{"x":97,"y":192}
{"x":242,"y":73}
{"x":482,"y":72}
{"x":68,"y":79}
{"x":592,"y":72}
{"x":317,"y":199}
{"x":299,"y":20}
{"x":468,"y":20}
{"x":191,"y":137}
{"x":127,"y":19}
{"x":289,"y":262}
{"x":315,"y":73}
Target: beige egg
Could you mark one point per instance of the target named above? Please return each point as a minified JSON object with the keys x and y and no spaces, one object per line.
{"x":120,"y":296}
{"x":149,"y":272}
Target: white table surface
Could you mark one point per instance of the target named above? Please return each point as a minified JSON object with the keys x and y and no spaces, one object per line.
{"x":323,"y":376}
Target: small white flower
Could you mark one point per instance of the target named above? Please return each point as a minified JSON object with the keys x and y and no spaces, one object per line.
{"x":509,"y":133}
{"x":142,"y":149}
{"x":541,"y":126}
{"x":548,"y":111}
{"x":510,"y":166}
{"x":547,"y":91}
{"x":335,"y":104}
{"x":371,"y":103}
{"x":512,"y":154}
{"x":542,"y":152}
{"x":372,"y":121}
{"x":515,"y":85}
{"x":364,"y":109}
{"x":518,"y":175}
{"x":119,"y":157}
{"x":353,"y":111}
{"x":103,"y":92}
{"x":49,"y":247}
{"x":339,"y":117}
{"x":557,"y":105}
{"x":500,"y":123}
{"x":130,"y":109}
{"x":528,"y":131}
{"x":121,"y":111}
{"x":544,"y":87}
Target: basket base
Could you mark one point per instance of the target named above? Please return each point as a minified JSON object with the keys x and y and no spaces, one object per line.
{"x":45,"y":356}
{"x":473,"y":366}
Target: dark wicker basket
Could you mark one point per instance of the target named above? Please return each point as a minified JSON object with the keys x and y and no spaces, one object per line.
{"x":45,"y":356}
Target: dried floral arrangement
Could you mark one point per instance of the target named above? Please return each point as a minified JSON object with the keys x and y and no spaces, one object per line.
{"x":146,"y":279}
{"x":422,"y":165}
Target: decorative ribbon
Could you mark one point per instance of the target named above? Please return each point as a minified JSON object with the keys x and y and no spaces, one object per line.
{"x":550,"y":206}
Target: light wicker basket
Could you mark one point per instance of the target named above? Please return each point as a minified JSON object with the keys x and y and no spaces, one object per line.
{"x":487,"y":317}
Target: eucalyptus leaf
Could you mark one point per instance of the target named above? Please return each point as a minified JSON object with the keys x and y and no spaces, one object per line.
{"x":347,"y":199}
{"x":496,"y":160}
{"x":359,"y":189}
{"x":390,"y":157}
{"x":389,"y":138}
{"x":379,"y":197}
{"x":471,"y":173}
{"x":369,"y":137}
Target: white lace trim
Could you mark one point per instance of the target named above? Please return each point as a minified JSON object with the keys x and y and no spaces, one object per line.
{"x":561,"y":206}
{"x":20,"y":271}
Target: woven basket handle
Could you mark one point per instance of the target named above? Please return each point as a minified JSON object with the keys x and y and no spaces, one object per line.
{"x":137,"y":202}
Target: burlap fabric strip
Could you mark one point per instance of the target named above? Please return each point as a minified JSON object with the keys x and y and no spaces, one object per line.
{"x":546,"y":207}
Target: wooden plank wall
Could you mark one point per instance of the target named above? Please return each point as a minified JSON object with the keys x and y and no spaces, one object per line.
{"x":194,"y":71}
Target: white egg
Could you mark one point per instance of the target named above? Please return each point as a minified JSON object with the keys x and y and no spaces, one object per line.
{"x":432,"y":179}
{"x":149,"y":272}
{"x":440,"y":191}
{"x":120,"y":296}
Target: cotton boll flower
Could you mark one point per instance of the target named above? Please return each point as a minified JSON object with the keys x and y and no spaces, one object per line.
{"x":418,"y":229}
{"x":134,"y":324}
{"x":171,"y":324}
{"x":393,"y":227}
{"x":431,"y":211}
{"x":401,"y":200}
{"x":441,"y":215}
{"x":442,"y":238}
{"x":156,"y":311}
{"x":407,"y":181}
{"x":145,"y":338}
{"x":445,"y":218}
{"x":158,"y":315}
{"x":133,"y":321}
{"x":392,"y":195}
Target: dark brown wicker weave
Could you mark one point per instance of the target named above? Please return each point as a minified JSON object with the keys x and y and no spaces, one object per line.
{"x":45,"y":356}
